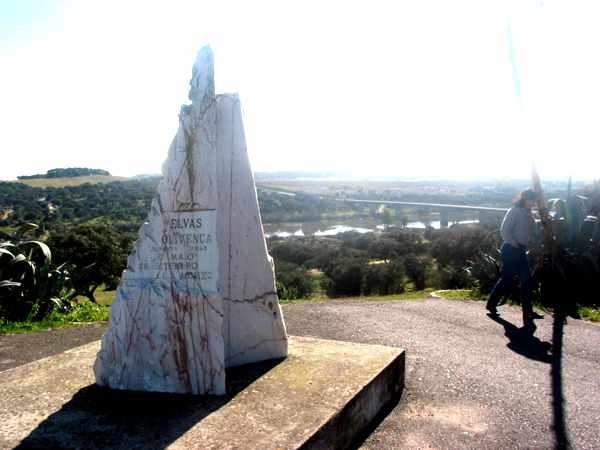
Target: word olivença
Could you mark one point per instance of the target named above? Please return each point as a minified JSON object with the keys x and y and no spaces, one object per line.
{"x":186,"y":239}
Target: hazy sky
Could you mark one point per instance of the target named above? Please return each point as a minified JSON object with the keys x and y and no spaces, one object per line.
{"x":402,"y":88}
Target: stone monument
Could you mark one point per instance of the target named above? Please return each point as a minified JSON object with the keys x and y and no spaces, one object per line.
{"x":198,"y":294}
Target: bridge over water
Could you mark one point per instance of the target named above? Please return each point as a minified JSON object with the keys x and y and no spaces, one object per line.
{"x":443,"y":208}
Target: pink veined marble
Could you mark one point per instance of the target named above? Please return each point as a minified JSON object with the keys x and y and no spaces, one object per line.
{"x":198,"y":294}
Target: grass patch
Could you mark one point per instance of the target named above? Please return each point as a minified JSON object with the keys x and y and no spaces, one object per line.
{"x":8,"y":229}
{"x":588,"y":313}
{"x":458,"y":294}
{"x":409,"y":295}
{"x":102,"y":297}
{"x":83,"y":313}
{"x":412,"y":295}
{"x":464,"y":294}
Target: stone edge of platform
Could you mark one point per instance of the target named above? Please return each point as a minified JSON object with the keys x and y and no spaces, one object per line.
{"x":364,"y":411}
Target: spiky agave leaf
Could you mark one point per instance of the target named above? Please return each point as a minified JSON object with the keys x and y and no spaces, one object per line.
{"x":6,"y":258}
{"x":23,"y":270}
{"x":9,"y":290}
{"x":58,"y":303}
{"x":557,"y":207}
{"x":4,"y":253}
{"x":10,"y":247}
{"x":40,"y":252}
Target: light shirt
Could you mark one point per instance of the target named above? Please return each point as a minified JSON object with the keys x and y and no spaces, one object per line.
{"x":516,"y":226}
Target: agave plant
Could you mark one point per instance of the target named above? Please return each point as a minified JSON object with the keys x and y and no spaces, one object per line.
{"x":564,"y":251}
{"x":29,"y":286}
{"x":568,"y":251}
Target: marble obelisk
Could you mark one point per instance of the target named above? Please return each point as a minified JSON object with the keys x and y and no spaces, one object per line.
{"x":198,"y":294}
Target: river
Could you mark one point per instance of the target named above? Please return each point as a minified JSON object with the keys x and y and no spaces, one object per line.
{"x":332,"y":227}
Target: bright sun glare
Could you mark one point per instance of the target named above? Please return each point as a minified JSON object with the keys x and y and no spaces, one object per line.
{"x":434,"y":89}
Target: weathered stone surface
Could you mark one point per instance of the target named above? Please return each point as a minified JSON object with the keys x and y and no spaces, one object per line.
{"x":199,"y":293}
{"x":321,"y":396}
{"x":253,"y":326}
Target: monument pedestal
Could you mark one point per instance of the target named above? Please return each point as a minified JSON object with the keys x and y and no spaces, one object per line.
{"x":323,"y":395}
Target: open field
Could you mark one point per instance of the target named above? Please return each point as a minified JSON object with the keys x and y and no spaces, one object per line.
{"x":331,"y":187}
{"x":70,"y":181}
{"x":480,"y":192}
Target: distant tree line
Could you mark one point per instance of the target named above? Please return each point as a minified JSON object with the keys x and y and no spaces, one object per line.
{"x":275,"y":207}
{"x":68,"y":172}
{"x":128,"y":202}
{"x":124,"y":204}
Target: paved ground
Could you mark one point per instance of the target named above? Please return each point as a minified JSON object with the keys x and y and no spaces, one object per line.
{"x":472,"y":382}
{"x":17,"y":349}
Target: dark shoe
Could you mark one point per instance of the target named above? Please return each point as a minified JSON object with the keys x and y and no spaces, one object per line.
{"x":534,"y":316}
{"x":492,"y":310}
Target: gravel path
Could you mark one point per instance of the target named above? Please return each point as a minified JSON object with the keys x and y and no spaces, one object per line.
{"x":471,"y":382}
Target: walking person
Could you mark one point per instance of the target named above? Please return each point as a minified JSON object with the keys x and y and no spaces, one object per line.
{"x":515,"y":231}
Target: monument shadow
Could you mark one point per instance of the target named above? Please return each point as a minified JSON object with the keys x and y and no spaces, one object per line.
{"x":98,"y":417}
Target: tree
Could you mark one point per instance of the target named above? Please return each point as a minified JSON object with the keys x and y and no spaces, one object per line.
{"x":384,"y":248}
{"x":386,"y":215}
{"x":97,"y":252}
{"x":416,"y":270}
{"x":344,"y":277}
{"x":383,"y":279}
{"x":293,"y":281}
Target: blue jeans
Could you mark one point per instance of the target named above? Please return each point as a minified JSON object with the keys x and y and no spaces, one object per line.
{"x":514,"y":263}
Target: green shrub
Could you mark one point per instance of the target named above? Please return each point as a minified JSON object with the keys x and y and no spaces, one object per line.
{"x":485,"y":270}
{"x":384,"y":279}
{"x":451,"y":277}
{"x":293,"y":281}
{"x":344,"y":277}
{"x":416,"y":270}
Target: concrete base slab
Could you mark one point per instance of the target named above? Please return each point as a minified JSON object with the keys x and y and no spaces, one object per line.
{"x":323,"y":395}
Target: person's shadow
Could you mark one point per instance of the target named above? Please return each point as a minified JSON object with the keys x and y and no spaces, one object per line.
{"x":99,"y":417}
{"x":523,"y":341}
